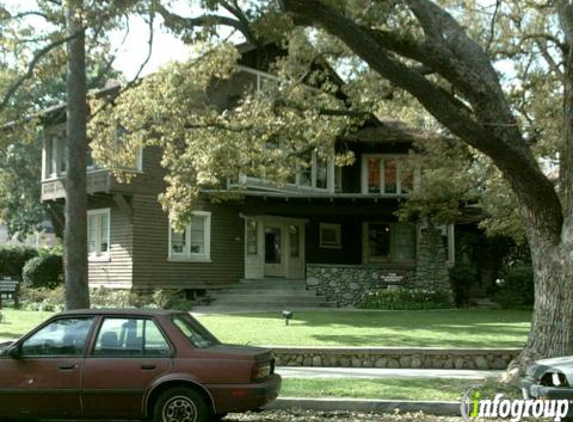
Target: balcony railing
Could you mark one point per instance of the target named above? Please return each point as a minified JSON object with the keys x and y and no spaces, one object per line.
{"x":97,"y":181}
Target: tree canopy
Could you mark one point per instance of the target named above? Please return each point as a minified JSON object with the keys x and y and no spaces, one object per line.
{"x":498,"y":77}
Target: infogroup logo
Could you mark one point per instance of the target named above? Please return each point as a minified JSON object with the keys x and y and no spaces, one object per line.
{"x":474,"y":407}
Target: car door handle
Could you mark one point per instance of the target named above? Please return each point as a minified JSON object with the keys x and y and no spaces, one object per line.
{"x":68,"y":367}
{"x":148,"y":367}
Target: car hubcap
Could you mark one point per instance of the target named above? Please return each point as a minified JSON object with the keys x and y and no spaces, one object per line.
{"x":179,"y":409}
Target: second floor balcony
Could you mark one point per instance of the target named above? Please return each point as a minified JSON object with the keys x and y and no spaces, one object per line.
{"x":54,"y":169}
{"x":97,"y":181}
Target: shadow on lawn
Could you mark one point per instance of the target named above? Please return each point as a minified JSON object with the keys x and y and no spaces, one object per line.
{"x":468,"y":320}
{"x":464,"y":328}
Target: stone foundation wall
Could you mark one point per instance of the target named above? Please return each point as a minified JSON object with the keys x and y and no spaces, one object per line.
{"x":390,"y":357}
{"x":348,"y":284}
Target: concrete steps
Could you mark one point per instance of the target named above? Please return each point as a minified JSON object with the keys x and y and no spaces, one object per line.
{"x":269,"y":294}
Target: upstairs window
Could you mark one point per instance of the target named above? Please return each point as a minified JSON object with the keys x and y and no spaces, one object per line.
{"x":56,"y":152}
{"x":317,"y":174}
{"x":98,"y":234}
{"x":194,"y":242}
{"x":387,"y":175}
{"x":262,"y":82}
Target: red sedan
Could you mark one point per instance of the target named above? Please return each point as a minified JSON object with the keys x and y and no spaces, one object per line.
{"x":131,"y":364}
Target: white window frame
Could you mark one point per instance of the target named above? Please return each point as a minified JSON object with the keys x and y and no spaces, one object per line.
{"x":53,"y":155}
{"x":187,"y":255}
{"x":398,"y":158}
{"x":330,"y":176}
{"x":58,"y":140}
{"x":260,"y":75}
{"x":337,"y":244}
{"x":97,"y":255}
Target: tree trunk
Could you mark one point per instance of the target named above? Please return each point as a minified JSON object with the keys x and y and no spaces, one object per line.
{"x":57,"y":218}
{"x":465,"y":65}
{"x":552,"y":326}
{"x":75,"y":257}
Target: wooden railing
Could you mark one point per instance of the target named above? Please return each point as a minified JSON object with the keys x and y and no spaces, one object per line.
{"x":97,"y":181}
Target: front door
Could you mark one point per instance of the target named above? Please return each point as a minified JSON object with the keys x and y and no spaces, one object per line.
{"x":275,"y":259}
{"x":43,"y":381}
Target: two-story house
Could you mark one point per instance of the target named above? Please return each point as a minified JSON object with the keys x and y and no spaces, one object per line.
{"x":327,"y":220}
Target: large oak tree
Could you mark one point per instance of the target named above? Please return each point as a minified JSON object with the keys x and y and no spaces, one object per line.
{"x":434,"y":51}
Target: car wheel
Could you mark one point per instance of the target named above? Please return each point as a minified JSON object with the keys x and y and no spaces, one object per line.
{"x":181,"y":405}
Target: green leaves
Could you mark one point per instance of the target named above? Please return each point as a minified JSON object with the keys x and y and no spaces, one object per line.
{"x":217,"y":123}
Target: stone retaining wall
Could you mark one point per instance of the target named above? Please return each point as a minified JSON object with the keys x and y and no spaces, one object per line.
{"x":347,"y":284}
{"x":392,"y":357}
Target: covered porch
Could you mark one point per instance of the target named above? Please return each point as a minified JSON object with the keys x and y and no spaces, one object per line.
{"x":296,"y":238}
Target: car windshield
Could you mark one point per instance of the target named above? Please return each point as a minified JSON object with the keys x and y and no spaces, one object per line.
{"x":198,"y":335}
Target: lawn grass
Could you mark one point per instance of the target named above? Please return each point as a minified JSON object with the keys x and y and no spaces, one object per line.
{"x":450,"y":328}
{"x":16,"y":323}
{"x":458,"y":328}
{"x":424,"y":389}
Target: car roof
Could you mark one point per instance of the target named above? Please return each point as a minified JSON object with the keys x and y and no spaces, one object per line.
{"x":119,"y":311}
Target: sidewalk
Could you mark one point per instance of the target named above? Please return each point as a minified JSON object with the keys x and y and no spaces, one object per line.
{"x":317,"y":372}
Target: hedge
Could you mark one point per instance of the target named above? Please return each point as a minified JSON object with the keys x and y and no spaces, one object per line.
{"x":44,"y":271}
{"x":13,"y":259}
{"x":406,"y":299}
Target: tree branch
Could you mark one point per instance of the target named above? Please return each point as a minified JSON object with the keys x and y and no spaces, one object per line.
{"x":542,"y":45}
{"x":21,"y":15}
{"x":236,"y":11}
{"x":135,"y":79}
{"x":491,"y":128}
{"x":30,"y":71}
{"x":492,"y":26}
{"x":179,"y":24}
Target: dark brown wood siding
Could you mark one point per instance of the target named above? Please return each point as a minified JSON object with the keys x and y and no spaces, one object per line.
{"x":118,"y":270}
{"x":152,"y":267}
{"x":149,"y":180}
{"x":349,"y":213}
{"x":350,"y":252}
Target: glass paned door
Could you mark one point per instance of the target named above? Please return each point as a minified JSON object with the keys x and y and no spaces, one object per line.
{"x":275,"y":265}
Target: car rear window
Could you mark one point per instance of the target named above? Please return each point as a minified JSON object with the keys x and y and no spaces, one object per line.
{"x":198,"y":335}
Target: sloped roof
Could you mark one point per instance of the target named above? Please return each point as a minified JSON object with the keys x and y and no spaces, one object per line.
{"x":389,"y":130}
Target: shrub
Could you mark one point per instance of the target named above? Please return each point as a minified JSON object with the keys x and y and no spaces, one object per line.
{"x":43,"y":299}
{"x":406,"y":299}
{"x":172,"y":299}
{"x":102,"y":297}
{"x":44,"y":271}
{"x":462,"y":276}
{"x":13,"y":259}
{"x":53,"y":299}
{"x":516,"y":288}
